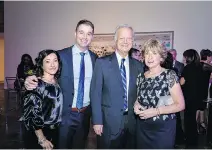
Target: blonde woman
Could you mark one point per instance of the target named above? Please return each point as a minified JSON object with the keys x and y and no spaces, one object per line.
{"x":159,"y":97}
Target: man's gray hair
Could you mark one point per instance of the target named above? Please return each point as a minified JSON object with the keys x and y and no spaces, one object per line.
{"x":123,"y":26}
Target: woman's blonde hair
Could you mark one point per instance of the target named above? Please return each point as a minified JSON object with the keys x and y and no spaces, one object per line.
{"x":154,"y":45}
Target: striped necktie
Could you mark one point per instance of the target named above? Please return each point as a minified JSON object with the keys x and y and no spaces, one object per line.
{"x":123,"y":76}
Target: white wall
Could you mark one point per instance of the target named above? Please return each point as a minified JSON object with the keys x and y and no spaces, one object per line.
{"x":33,"y":26}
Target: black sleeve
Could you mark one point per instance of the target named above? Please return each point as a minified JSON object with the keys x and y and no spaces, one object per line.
{"x":32,"y":110}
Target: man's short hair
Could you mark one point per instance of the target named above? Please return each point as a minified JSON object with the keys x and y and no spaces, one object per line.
{"x":133,"y":50}
{"x":204,"y":53}
{"x":123,"y":26}
{"x":86,"y":22}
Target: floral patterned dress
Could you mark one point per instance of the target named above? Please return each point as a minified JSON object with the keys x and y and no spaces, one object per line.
{"x":159,"y":131}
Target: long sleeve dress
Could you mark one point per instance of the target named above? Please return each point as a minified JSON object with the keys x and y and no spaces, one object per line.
{"x":42,"y":110}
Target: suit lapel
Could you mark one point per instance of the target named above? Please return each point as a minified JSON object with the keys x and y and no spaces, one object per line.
{"x":115,"y":69}
{"x":131,"y":75}
{"x":92,"y":59}
{"x":70,"y":61}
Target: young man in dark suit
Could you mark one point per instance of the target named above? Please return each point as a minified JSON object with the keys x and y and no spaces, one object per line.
{"x":113,"y":93}
{"x":77,"y":68}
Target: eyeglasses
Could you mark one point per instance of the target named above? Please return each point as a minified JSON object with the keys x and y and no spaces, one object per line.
{"x":128,"y":40}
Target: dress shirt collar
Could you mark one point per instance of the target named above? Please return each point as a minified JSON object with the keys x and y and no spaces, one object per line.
{"x":76,"y":50}
{"x":119,"y":57}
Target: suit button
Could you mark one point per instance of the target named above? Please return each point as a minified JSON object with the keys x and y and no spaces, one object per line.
{"x":121,"y":109}
{"x":123,"y":96}
{"x":72,"y":94}
{"x":69,"y":105}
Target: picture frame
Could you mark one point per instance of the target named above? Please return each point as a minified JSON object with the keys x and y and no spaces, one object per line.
{"x":104,"y":44}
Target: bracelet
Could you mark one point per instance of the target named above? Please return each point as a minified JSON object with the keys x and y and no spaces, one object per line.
{"x":42,"y":140}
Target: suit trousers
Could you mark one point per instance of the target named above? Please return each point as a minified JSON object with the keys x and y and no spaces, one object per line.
{"x":74,"y":132}
{"x":123,"y":140}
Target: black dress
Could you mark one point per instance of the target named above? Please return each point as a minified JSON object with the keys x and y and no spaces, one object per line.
{"x":42,"y":110}
{"x":157,"y":132}
{"x":192,"y":91}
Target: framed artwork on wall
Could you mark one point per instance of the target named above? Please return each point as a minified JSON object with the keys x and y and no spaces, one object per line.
{"x":104,"y":44}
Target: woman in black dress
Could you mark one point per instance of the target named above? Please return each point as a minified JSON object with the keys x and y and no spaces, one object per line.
{"x":159,"y":98}
{"x":43,"y":106}
{"x":191,"y":81}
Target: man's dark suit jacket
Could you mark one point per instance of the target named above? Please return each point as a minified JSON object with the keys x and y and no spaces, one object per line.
{"x":107,"y":95}
{"x":67,"y":78}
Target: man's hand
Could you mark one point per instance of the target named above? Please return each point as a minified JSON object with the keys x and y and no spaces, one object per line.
{"x":98,"y":129}
{"x":31,"y":82}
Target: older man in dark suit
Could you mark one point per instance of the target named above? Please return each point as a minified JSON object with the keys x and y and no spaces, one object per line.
{"x":77,"y":68}
{"x":113,"y":93}
{"x":176,"y":64}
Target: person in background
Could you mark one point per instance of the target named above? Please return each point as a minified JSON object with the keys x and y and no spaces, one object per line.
{"x":176,"y":64}
{"x":159,"y":97}
{"x":135,"y":53}
{"x":113,"y":93}
{"x":179,"y":140}
{"x":205,"y":62}
{"x":25,"y":68}
{"x":42,"y":108}
{"x":78,"y":63}
{"x":191,"y":81}
{"x":209,"y":125}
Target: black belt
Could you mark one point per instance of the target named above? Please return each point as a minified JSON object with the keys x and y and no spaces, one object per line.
{"x":125,"y":113}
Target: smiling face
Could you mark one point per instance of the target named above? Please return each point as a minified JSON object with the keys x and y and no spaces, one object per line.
{"x":50,"y":64}
{"x":152,"y":58}
{"x":124,"y":40}
{"x":83,"y":36}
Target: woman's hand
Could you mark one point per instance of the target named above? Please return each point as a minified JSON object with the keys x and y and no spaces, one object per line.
{"x":46,"y":144}
{"x":148,"y":113}
{"x":137,"y":107}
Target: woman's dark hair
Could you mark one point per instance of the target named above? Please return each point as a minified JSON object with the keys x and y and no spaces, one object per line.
{"x":191,"y":56}
{"x":39,"y":63}
{"x":23,"y":57}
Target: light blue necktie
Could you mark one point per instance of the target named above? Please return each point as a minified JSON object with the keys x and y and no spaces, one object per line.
{"x":123,"y":76}
{"x":80,"y":96}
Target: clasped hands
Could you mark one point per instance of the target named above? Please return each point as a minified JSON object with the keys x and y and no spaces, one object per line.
{"x":144,"y":113}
